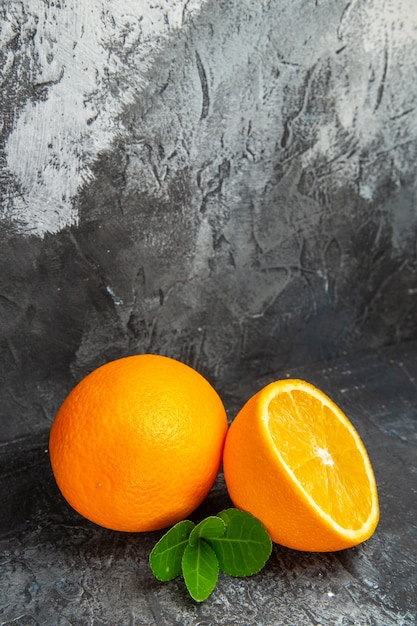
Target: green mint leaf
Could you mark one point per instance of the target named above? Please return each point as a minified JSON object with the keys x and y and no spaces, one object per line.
{"x":246,"y":545}
{"x":165,"y":558}
{"x":200,"y":570}
{"x":233,"y":541}
{"x":210,"y":527}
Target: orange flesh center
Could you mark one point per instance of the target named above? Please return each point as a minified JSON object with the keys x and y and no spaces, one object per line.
{"x":323,"y":455}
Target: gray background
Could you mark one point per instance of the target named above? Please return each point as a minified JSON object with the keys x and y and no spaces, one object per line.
{"x":229,"y":183}
{"x":233,"y":184}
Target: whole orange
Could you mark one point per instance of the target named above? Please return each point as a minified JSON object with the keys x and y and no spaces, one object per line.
{"x":294,"y":460}
{"x":137,"y":444}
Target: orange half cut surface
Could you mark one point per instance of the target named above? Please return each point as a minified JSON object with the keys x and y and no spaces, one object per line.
{"x":294,"y":460}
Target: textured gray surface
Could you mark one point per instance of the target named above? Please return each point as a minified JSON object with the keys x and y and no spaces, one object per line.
{"x":57,"y":569}
{"x":232,"y":184}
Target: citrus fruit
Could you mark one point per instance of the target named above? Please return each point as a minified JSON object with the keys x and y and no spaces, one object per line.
{"x":295,"y":461}
{"x":137,"y":444}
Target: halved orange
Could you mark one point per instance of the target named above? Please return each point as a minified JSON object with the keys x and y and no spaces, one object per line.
{"x":294,"y":460}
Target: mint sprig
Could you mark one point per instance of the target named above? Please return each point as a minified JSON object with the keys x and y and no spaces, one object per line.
{"x":233,"y":542}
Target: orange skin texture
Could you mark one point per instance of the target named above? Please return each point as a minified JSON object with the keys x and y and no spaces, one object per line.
{"x":137,"y":444}
{"x":260,"y":483}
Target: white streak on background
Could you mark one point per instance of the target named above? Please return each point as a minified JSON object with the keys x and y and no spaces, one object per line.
{"x":373,"y":92}
{"x":54,"y":142}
